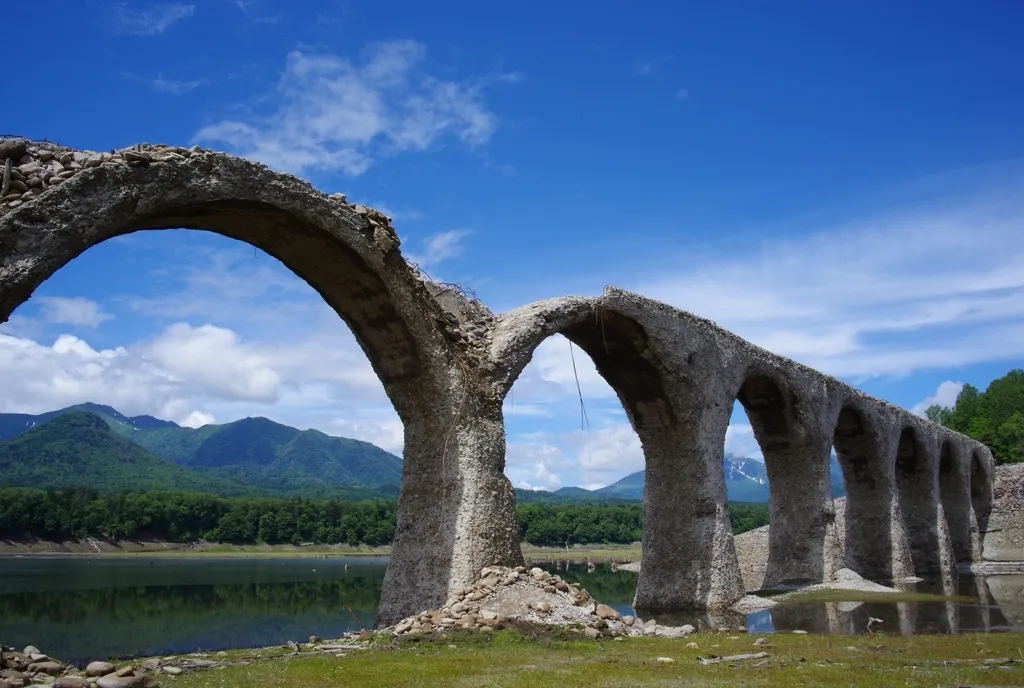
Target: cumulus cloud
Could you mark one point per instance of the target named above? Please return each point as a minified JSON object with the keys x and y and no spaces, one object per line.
{"x":76,"y":311}
{"x":945,"y":396}
{"x":150,"y":20}
{"x":336,"y":114}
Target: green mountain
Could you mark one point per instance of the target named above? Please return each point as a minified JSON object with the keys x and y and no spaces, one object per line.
{"x":81,"y":450}
{"x":274,"y":458}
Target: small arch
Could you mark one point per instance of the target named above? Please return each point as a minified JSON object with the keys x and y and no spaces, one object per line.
{"x":981,"y":492}
{"x":797,"y":465}
{"x":868,"y":530}
{"x":955,"y":500}
{"x":915,"y":486}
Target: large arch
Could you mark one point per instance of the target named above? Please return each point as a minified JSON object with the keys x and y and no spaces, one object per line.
{"x":803,"y":545}
{"x":916,"y":488}
{"x":67,"y":201}
{"x":689,"y":560}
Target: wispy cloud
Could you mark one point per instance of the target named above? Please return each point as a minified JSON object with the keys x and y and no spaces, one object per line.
{"x":647,"y":67}
{"x":255,"y":12}
{"x":168,"y":86}
{"x":336,"y":114}
{"x":681,"y":94}
{"x":76,"y":311}
{"x":887,"y":295}
{"x":439,"y":248}
{"x":152,"y":20}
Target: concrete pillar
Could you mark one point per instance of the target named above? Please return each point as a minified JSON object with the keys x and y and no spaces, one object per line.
{"x":955,"y":498}
{"x":796,"y":440}
{"x":870,"y":494}
{"x":456,"y":513}
{"x":689,"y":558}
{"x":917,"y":487}
{"x":982,"y":465}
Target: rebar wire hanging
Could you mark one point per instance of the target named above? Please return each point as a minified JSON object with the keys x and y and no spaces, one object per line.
{"x":584,"y":421}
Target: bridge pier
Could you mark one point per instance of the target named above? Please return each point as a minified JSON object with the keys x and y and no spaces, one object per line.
{"x":456,"y":512}
{"x":689,"y":558}
{"x":916,"y":470}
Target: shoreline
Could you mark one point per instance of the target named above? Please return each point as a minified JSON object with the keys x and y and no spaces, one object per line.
{"x":157,"y":548}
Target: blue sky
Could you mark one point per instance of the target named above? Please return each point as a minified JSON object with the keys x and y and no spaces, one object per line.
{"x":838,"y":182}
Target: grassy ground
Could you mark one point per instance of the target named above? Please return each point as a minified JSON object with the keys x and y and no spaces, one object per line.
{"x":511,"y":659}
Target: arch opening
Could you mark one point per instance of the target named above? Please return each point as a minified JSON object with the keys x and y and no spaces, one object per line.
{"x":917,"y":498}
{"x":683,"y":489}
{"x":796,"y":470}
{"x":867,"y":528}
{"x":956,"y":505}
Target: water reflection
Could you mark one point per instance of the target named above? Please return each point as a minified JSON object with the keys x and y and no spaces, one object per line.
{"x":85,"y":608}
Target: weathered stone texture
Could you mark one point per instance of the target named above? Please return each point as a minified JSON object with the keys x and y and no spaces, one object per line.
{"x":447,"y":362}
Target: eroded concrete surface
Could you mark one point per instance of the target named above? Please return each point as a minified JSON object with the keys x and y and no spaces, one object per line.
{"x":918,"y":493}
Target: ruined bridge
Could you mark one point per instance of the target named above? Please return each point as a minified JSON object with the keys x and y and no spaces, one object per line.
{"x":918,"y":494}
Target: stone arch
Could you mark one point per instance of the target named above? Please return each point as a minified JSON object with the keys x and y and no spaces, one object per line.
{"x":861,"y":448}
{"x":916,"y":474}
{"x":326,"y":242}
{"x":802,"y":538}
{"x":954,"y":495}
{"x":349,"y":255}
{"x":689,"y":560}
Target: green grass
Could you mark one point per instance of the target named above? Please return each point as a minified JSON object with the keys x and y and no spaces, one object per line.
{"x":511,"y":659}
{"x":818,"y":596}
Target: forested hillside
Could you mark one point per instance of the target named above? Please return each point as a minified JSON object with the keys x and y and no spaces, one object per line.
{"x":181,"y":517}
{"x":994,"y":417}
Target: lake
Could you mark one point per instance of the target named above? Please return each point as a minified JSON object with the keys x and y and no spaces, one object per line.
{"x":84,"y":608}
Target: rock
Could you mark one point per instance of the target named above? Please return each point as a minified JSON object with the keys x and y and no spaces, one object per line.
{"x":692,"y":646}
{"x":99,"y":669}
{"x":628,"y":620}
{"x":606,"y":612}
{"x":128,"y":681}
{"x":403,"y":626}
{"x":70,"y":682}
{"x":292,"y":645}
{"x":591,"y":632}
{"x":665,"y":660}
{"x":687,"y":629}
{"x":52,"y":668}
{"x":314,"y":639}
{"x":14,"y":149}
{"x":799,"y":632}
{"x":125,"y":671}
{"x":151,"y":664}
{"x":172,"y":670}
{"x":760,"y":642}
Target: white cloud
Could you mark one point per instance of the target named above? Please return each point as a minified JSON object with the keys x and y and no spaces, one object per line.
{"x":77,"y":311}
{"x":197,"y":419}
{"x":153,"y":20}
{"x":740,"y":441}
{"x":945,"y":396}
{"x":335,"y":114}
{"x":439,"y":248}
{"x":168,"y":86}
{"x":682,"y":94}
{"x":921,"y":289}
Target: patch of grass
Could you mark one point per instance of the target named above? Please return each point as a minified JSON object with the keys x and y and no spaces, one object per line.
{"x":509,"y":658}
{"x":818,"y":596}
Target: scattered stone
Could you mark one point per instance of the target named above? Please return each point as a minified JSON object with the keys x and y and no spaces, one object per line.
{"x":799,"y":632}
{"x":692,"y":646}
{"x":292,"y":645}
{"x":99,"y":669}
{"x":52,"y":668}
{"x":151,"y":664}
{"x":314,"y":639}
{"x":172,"y":670}
{"x":591,"y":632}
{"x":606,"y":612}
{"x":70,"y":682}
{"x":760,"y":642}
{"x":665,"y":660}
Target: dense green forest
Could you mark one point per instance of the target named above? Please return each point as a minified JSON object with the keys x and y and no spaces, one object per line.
{"x":184,"y":517}
{"x":994,"y":417}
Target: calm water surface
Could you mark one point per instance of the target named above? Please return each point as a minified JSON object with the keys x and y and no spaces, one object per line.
{"x":84,"y":608}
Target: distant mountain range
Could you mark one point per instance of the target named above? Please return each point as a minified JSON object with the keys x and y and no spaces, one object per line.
{"x":90,"y":445}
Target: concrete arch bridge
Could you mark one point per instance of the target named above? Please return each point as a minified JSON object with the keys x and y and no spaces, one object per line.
{"x":918,"y":494}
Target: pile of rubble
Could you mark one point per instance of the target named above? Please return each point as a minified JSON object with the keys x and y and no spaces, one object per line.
{"x":30,"y":668}
{"x":507,"y":595}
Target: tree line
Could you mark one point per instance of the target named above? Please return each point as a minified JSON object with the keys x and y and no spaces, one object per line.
{"x":186,"y":517}
{"x":994,"y":417}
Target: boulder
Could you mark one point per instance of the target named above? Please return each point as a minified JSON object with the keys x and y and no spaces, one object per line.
{"x":99,"y":669}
